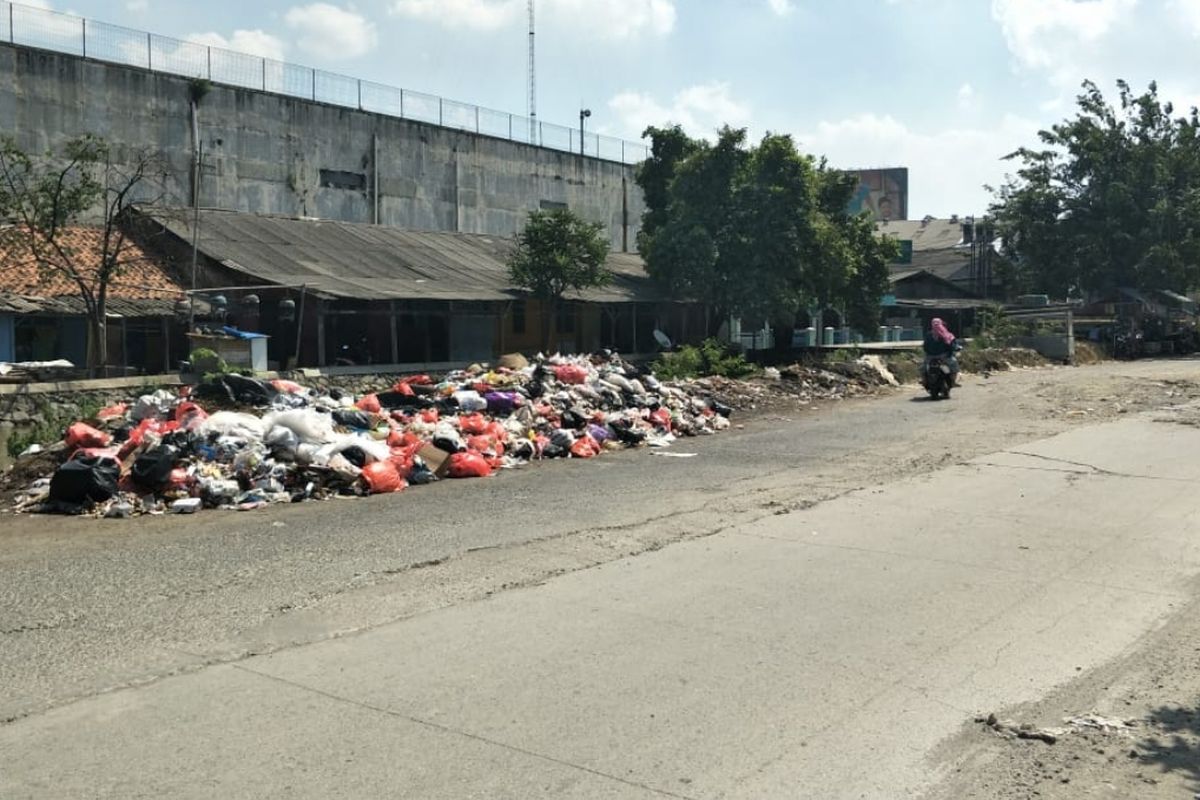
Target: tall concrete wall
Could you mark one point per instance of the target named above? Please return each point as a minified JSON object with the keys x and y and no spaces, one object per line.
{"x":273,"y":154}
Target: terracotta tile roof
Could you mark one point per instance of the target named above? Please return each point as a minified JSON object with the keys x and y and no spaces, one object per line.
{"x":142,"y":278}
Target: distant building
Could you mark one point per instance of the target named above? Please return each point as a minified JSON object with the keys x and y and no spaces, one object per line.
{"x":43,"y":318}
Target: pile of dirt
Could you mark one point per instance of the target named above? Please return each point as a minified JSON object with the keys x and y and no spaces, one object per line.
{"x":1000,"y":359}
{"x":799,"y":385}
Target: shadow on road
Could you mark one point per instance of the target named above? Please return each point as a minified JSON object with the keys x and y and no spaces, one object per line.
{"x":1178,"y":747}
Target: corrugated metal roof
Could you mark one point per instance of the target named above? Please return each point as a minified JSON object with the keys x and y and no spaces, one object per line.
{"x":66,"y":306}
{"x":375,"y":262}
{"x":935,"y":234}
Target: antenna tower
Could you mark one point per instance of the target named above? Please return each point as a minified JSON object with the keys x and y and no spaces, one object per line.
{"x":533,"y":124}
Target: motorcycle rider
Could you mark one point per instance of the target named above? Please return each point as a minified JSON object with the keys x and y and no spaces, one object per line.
{"x":941,"y":343}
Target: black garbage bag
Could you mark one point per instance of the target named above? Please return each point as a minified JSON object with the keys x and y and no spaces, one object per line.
{"x":84,"y":480}
{"x":574,"y":420}
{"x":352,"y":418}
{"x":719,"y":407}
{"x":152,"y":468}
{"x":236,"y":389}
{"x":251,"y":391}
{"x":355,"y":455}
{"x":627,"y":433}
{"x":398,"y":400}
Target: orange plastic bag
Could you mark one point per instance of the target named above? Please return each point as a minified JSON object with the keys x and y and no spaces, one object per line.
{"x":570,"y":373}
{"x":369,"y":403}
{"x":469,"y":465}
{"x":585,"y":447}
{"x":112,"y":412}
{"x":472,"y":424}
{"x":287,"y":387}
{"x":486,"y":444}
{"x":83,"y":435}
{"x":189,"y":415}
{"x":383,"y":477}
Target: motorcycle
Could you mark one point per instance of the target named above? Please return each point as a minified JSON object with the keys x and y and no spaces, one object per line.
{"x":938,"y":377}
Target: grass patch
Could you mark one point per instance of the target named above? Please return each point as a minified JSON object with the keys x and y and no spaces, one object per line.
{"x":710,"y":358}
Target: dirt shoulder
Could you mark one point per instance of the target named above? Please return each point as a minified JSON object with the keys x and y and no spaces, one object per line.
{"x":1130,"y":729}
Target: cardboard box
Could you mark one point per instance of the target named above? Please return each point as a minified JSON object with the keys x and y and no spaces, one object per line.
{"x":437,"y":460}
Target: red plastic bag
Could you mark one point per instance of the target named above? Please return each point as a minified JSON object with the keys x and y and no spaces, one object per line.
{"x":486,"y":444}
{"x":403,"y":389}
{"x":383,"y":477}
{"x":287,"y":387}
{"x":189,"y":415}
{"x":112,"y":412}
{"x":180,"y":479}
{"x":369,"y":403}
{"x":83,"y":435}
{"x":570,"y":373}
{"x":430,"y":416}
{"x":399,"y":438}
{"x":469,"y":465}
{"x":472,"y":424}
{"x":497,"y":431}
{"x":585,"y":447}
{"x":661,"y":418}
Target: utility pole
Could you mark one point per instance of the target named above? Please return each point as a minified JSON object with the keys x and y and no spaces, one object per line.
{"x":533,"y":126}
{"x":583,"y":114}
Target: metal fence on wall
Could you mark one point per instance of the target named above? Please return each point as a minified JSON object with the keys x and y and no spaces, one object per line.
{"x":65,"y":33}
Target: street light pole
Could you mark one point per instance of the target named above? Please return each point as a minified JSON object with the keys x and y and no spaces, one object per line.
{"x":583,"y":114}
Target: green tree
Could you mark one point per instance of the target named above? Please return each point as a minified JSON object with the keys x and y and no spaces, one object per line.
{"x":556,"y":252}
{"x":44,"y":197}
{"x":760,"y":232}
{"x":1110,"y":198}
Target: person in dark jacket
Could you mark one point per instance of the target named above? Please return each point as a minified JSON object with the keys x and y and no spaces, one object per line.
{"x":941,"y":343}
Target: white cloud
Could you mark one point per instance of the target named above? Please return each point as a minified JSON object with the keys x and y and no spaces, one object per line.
{"x":1056,"y":35}
{"x":781,"y":7}
{"x":947,"y":168}
{"x":254,"y":42}
{"x":477,"y":14}
{"x":1188,"y":12}
{"x":137,"y":6}
{"x":700,"y":109}
{"x":606,"y":19}
{"x":331,"y":32}
{"x":966,"y":97}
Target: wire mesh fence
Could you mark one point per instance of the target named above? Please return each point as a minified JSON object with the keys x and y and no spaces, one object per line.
{"x":66,"y":33}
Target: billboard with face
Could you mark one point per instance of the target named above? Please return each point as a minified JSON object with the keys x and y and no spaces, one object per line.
{"x":881,"y":192}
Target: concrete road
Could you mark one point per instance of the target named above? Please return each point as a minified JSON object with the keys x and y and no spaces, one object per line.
{"x":841,"y":592}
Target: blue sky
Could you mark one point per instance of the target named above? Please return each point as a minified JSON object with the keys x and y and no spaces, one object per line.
{"x":944,"y":87}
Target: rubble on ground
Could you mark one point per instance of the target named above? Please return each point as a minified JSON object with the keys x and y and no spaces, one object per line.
{"x":800,"y":385}
{"x":242,"y":443}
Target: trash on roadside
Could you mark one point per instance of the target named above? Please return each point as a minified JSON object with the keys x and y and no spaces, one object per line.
{"x":235,"y":442}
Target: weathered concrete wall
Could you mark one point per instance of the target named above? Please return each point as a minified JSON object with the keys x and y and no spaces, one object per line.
{"x":273,"y":154}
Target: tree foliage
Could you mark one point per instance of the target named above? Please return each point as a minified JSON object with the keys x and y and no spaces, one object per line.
{"x":43,"y":197}
{"x":1110,"y":198}
{"x":757,"y":231}
{"x":558,"y":251}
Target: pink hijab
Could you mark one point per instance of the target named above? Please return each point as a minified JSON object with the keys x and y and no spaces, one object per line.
{"x":941,"y":331}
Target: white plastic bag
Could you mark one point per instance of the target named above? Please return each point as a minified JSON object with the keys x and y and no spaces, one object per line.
{"x":309,"y":425}
{"x":233,"y":424}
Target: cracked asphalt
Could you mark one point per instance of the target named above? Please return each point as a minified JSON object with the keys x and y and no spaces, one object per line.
{"x":89,"y":607}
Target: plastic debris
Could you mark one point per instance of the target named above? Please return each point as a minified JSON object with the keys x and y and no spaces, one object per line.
{"x":242,"y":443}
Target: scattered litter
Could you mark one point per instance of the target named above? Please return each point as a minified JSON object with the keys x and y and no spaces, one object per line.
{"x":666,"y":454}
{"x":241,"y":443}
{"x":1097,"y":722}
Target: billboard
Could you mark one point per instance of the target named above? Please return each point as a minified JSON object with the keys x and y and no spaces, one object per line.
{"x":881,"y":192}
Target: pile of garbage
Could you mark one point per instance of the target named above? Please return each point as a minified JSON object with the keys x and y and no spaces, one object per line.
{"x":243,"y":443}
{"x":799,"y":385}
